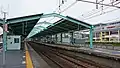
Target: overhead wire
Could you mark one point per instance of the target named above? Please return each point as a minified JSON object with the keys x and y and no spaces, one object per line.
{"x":97,"y":11}
{"x":99,"y":3}
{"x":92,"y":13}
{"x":60,"y":4}
{"x":63,"y":9}
{"x":102,"y":13}
{"x":69,"y":6}
{"x":58,"y":8}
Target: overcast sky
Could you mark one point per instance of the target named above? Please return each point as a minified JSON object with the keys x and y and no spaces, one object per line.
{"x":16,"y":8}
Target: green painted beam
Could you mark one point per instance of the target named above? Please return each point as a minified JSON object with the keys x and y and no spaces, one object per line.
{"x":64,"y":17}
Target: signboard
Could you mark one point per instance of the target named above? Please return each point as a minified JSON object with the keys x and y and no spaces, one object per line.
{"x":5,"y":27}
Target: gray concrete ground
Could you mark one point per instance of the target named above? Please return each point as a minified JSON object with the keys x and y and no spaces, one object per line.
{"x":14,"y":59}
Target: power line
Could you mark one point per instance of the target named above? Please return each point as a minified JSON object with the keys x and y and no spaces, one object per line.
{"x":100,"y":10}
{"x":69,"y":6}
{"x":101,"y":14}
{"x":99,"y":3}
{"x":95,"y":3}
{"x":60,"y":4}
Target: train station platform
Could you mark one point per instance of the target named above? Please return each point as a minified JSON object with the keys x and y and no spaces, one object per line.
{"x":101,"y":52}
{"x":13,"y":59}
{"x":27,"y":58}
{"x":16,"y":59}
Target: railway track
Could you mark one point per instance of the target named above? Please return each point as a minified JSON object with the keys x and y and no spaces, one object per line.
{"x":65,"y":60}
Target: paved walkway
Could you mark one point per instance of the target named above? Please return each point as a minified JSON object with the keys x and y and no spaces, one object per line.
{"x":14,"y":59}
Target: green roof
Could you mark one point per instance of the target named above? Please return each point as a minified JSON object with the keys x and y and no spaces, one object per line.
{"x":22,"y":25}
{"x":62,"y":25}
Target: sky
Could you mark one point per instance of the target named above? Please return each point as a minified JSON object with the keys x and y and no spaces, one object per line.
{"x":16,"y":8}
{"x":80,"y":10}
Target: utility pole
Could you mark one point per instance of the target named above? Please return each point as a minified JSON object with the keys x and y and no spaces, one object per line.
{"x":4,"y":37}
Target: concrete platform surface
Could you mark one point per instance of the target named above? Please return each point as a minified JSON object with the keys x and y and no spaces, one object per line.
{"x":14,"y":59}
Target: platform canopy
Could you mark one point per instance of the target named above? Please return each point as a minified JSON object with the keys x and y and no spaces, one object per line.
{"x":22,"y":25}
{"x":63,"y":24}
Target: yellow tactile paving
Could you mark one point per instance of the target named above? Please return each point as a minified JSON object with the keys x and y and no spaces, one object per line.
{"x":28,"y":59}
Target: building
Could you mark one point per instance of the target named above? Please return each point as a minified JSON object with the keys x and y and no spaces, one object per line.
{"x":109,"y":32}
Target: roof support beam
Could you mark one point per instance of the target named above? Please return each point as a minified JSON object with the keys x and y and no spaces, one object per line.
{"x":64,"y":17}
